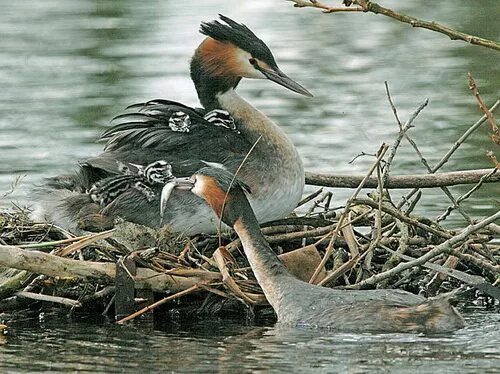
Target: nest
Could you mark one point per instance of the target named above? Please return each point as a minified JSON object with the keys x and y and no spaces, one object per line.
{"x":368,"y":242}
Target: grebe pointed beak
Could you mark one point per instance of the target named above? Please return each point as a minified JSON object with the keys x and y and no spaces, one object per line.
{"x":276,"y":75}
{"x":177,"y":183}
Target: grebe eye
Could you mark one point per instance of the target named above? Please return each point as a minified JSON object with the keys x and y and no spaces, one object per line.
{"x":252,"y":61}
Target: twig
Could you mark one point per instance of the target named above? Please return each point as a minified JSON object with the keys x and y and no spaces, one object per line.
{"x":494,"y":269}
{"x":491,"y":119}
{"x":13,"y":186}
{"x":227,"y":279}
{"x":393,"y":107}
{"x":312,"y":196}
{"x":424,"y":161}
{"x":437,"y":250}
{"x":399,"y":215}
{"x":85,"y":241}
{"x":466,"y":196}
{"x":370,"y":6}
{"x":52,"y":299}
{"x":148,"y":308}
{"x":380,"y":155}
{"x":401,"y":134}
{"x":452,"y":150}
{"x":325,"y":8}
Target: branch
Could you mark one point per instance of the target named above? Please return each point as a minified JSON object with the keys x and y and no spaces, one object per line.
{"x":491,"y":119}
{"x":325,"y":8}
{"x":437,"y":250}
{"x":329,"y":250}
{"x":372,"y":7}
{"x":402,"y":132}
{"x":51,"y":299}
{"x":55,"y":266}
{"x":404,"y":181}
{"x":452,"y":150}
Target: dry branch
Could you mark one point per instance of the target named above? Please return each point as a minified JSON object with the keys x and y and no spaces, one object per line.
{"x":51,"y":299}
{"x":149,"y":308}
{"x":372,"y":7}
{"x":495,"y":136}
{"x":437,"y":250}
{"x":404,"y":181}
{"x":452,"y":150}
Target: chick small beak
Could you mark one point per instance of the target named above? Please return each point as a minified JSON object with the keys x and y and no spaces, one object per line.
{"x":176,"y":183}
{"x":276,"y":75}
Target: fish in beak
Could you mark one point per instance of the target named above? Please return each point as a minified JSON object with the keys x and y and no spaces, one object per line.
{"x":185,"y":184}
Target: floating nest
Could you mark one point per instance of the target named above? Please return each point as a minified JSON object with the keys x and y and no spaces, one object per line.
{"x":132,"y":269}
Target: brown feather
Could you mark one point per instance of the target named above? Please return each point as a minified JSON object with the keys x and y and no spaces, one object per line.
{"x":212,"y":193}
{"x":220,"y":58}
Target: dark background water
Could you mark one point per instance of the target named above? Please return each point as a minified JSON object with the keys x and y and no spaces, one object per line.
{"x":66,"y":67}
{"x":232,"y":347}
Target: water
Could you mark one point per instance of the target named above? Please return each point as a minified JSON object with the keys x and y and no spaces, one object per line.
{"x":67,"y":67}
{"x":228,"y":346}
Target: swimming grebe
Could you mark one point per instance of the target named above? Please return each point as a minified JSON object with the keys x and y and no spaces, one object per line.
{"x":219,"y":134}
{"x":302,"y":304}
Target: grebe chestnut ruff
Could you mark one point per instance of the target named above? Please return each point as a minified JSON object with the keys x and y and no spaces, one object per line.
{"x":125,"y":182}
{"x":299,"y":303}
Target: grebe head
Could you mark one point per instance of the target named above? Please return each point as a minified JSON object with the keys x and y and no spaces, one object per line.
{"x":232,"y":51}
{"x":221,"y":190}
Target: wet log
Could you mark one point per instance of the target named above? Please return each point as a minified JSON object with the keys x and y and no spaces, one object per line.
{"x":404,"y":181}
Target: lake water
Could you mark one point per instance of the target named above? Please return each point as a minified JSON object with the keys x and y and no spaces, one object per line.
{"x":67,"y":67}
{"x":231,"y":347}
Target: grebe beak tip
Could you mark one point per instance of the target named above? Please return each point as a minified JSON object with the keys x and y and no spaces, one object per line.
{"x":277,"y":76}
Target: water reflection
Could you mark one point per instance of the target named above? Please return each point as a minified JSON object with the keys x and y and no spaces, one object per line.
{"x":229,"y":346}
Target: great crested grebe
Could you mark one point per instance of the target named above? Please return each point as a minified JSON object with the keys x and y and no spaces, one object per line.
{"x":302,"y":304}
{"x":125,"y":181}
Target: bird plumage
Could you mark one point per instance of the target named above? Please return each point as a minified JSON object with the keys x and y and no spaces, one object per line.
{"x":225,"y":132}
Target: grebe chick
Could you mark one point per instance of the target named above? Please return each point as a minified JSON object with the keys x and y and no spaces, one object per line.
{"x":302,"y":304}
{"x":219,"y":134}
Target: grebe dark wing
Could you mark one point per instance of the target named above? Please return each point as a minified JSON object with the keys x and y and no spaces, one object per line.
{"x":187,"y":138}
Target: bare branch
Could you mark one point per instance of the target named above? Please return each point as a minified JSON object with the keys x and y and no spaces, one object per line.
{"x":437,"y":250}
{"x":404,"y":181}
{"x":372,"y":7}
{"x":325,"y":8}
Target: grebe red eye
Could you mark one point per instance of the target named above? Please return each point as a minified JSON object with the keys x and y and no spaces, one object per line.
{"x":252,"y":61}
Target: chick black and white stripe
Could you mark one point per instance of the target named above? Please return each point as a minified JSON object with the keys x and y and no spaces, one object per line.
{"x":109,"y":189}
{"x":219,"y":117}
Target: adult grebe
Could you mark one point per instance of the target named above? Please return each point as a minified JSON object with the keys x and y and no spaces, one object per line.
{"x":125,"y":181}
{"x":302,"y":304}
